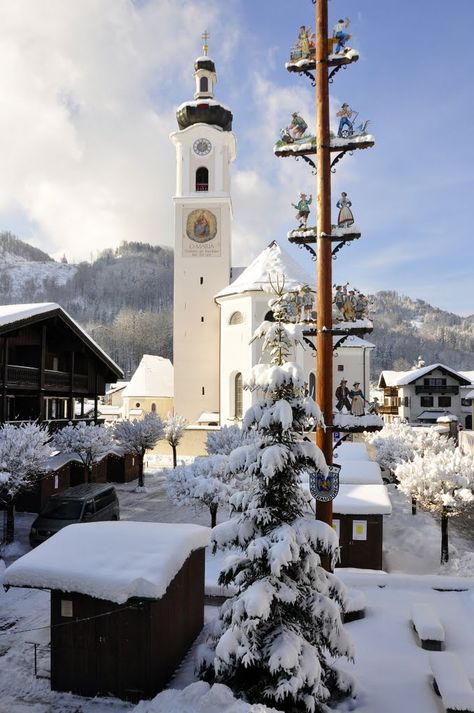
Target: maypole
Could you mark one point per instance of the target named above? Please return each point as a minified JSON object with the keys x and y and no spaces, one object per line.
{"x":324,"y":342}
{"x":346,"y":410}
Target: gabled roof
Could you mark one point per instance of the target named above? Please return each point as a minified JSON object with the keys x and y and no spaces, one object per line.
{"x":270,"y":263}
{"x":402,"y":378}
{"x":153,"y":377}
{"x":467,"y":375}
{"x":20,"y":315}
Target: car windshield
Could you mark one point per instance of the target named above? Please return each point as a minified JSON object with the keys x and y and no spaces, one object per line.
{"x":62,"y":510}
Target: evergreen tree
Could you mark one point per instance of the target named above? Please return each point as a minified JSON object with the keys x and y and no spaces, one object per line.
{"x":275,"y":641}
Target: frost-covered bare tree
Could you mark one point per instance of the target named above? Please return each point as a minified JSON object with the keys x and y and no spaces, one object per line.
{"x":24,"y":451}
{"x":175,"y":427}
{"x":441,"y":482}
{"x":138,"y":437}
{"x":277,"y":640}
{"x":205,"y":483}
{"x":88,"y":441}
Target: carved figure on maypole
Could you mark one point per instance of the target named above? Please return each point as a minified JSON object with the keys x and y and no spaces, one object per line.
{"x":351,"y":305}
{"x":345,"y":218}
{"x":347,"y":119}
{"x":303,"y":209}
{"x":296,"y":129}
{"x":342,"y":396}
{"x":341,"y":36}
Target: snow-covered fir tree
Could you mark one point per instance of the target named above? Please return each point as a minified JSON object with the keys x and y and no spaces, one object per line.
{"x":88,"y":441}
{"x":205,"y":483}
{"x":138,"y":437}
{"x":441,"y":482}
{"x":24,"y":450}
{"x":175,"y":427}
{"x":277,"y":639}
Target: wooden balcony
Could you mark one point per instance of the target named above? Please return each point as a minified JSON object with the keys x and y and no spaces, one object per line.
{"x":29,"y":377}
{"x":427,"y":389}
{"x":388,"y":410}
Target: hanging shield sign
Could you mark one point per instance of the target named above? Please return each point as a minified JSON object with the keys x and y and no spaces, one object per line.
{"x":325,"y":487}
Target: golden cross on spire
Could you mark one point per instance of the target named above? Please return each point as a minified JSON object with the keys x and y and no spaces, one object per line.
{"x":205,"y":36}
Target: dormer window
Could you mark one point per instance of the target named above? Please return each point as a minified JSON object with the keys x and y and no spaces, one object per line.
{"x":204,"y":84}
{"x":202,"y":179}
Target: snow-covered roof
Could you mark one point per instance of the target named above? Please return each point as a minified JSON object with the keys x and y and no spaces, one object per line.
{"x":109,"y":560}
{"x":272,"y":261}
{"x":353,"y":341}
{"x":153,"y":377}
{"x":12,"y":314}
{"x":208,"y":416}
{"x":350,"y":451}
{"x":469,"y":395}
{"x":431,"y":415}
{"x":469,"y":375}
{"x":359,"y":472}
{"x":362,"y":500}
{"x":402,"y":378}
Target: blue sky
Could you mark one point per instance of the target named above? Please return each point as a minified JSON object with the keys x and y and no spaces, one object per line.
{"x":92,"y":89}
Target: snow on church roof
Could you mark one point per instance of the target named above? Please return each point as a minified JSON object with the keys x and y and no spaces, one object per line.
{"x":153,"y":377}
{"x":109,"y":560}
{"x":270,"y":262}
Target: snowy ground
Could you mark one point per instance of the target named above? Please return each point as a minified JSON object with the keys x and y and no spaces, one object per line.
{"x":391,"y":668}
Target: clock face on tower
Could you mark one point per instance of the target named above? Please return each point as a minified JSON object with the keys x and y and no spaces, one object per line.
{"x":202,"y":147}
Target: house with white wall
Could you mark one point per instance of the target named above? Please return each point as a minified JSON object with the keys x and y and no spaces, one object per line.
{"x":423,"y":395}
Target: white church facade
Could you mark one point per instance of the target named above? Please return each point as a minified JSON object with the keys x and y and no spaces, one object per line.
{"x":215,"y":316}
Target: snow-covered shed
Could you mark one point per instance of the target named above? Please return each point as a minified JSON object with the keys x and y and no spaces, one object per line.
{"x":150,"y":388}
{"x":358,"y":511}
{"x":127,"y":601}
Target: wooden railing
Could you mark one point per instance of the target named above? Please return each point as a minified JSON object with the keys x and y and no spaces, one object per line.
{"x":29,"y":377}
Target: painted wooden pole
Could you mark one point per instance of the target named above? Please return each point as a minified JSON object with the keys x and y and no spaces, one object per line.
{"x":324,"y":358}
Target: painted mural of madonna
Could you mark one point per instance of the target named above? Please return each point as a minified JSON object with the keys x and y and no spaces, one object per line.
{"x":201,"y":226}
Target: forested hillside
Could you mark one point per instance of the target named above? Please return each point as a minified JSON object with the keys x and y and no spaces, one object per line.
{"x":124,"y":299}
{"x":406,"y":328}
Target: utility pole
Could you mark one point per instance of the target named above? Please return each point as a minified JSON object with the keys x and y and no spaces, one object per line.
{"x":324,"y":356}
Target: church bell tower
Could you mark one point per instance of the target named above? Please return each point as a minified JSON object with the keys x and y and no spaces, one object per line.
{"x":205,"y":148}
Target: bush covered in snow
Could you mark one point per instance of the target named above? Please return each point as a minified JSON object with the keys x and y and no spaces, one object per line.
{"x":275,"y":641}
{"x":225,"y":440}
{"x":24,"y":450}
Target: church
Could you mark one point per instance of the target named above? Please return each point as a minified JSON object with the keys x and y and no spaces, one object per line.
{"x":217,"y":307}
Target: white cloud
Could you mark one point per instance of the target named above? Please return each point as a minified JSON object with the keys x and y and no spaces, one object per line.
{"x":83,"y":138}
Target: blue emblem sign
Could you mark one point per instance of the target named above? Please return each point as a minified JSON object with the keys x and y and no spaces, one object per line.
{"x":325,"y":487}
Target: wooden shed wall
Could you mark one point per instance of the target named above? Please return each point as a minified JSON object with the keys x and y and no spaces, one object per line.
{"x":132,"y":652}
{"x":122,"y":469}
{"x":365,"y":554}
{"x":33,"y":500}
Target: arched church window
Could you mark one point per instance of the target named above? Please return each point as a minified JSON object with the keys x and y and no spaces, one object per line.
{"x":269,"y":317}
{"x":312,"y":386}
{"x":238,"y":395}
{"x":204,"y":84}
{"x":202,"y":179}
{"x":236,"y":318}
{"x":153,"y":408}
